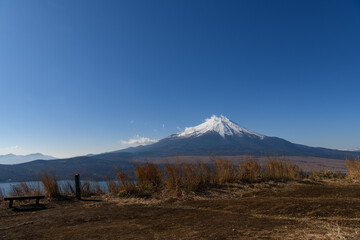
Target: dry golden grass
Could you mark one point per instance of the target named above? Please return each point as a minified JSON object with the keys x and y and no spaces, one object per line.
{"x":250,"y":170}
{"x":25,"y":189}
{"x":204,"y":174}
{"x":185,"y":178}
{"x":173,"y":178}
{"x":224,"y":171}
{"x":124,"y":180}
{"x":125,"y":186}
{"x":326,"y":230}
{"x":353,"y":168}
{"x":325,"y":174}
{"x":91,"y":188}
{"x":189,"y":179}
{"x":279,"y":170}
{"x":51,"y":185}
{"x":112,"y":186}
{"x":68,"y":188}
{"x":149,"y":174}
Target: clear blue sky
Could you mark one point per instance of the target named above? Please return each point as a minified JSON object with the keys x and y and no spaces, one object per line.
{"x":78,"y":77}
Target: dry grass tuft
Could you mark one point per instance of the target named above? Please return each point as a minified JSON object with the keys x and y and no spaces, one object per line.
{"x":51,"y":185}
{"x":250,"y":170}
{"x":224,"y":172}
{"x":279,"y":170}
{"x":325,"y":174}
{"x":123,"y":181}
{"x":353,"y":168}
{"x":185,"y":178}
{"x":112,"y":186}
{"x":149,"y":175}
{"x":68,"y":188}
{"x":25,"y":189}
{"x":125,"y":186}
{"x":330,"y":231}
{"x":89,"y":188}
{"x":174,"y":178}
{"x":204,"y":174}
{"x":190,"y":180}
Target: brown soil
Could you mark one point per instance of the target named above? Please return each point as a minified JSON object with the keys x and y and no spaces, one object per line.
{"x":308,"y":210}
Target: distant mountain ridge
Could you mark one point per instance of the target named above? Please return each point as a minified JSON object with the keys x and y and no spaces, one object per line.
{"x":16,"y":159}
{"x":221,"y":136}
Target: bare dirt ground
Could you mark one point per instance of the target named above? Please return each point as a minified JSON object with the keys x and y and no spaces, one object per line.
{"x":307,"y":210}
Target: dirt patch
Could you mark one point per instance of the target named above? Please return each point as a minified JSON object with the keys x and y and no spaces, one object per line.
{"x":308,"y":210}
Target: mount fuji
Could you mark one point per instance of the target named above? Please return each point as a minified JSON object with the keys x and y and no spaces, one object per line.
{"x":218,"y":135}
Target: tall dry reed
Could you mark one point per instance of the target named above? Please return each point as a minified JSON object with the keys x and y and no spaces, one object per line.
{"x":174,"y":178}
{"x":224,"y":171}
{"x":204,"y":174}
{"x":353,"y":168}
{"x":250,"y":170}
{"x":185,"y":178}
{"x":68,"y":188}
{"x":125,"y":186}
{"x":50,"y":184}
{"x":149,"y":175}
{"x":279,"y":170}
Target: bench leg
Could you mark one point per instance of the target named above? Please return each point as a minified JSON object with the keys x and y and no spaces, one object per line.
{"x":37,"y":201}
{"x":10,"y":203}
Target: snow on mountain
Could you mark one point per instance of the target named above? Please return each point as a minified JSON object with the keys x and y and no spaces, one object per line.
{"x":221,"y":125}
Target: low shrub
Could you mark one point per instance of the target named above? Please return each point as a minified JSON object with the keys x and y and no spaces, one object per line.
{"x":324,"y":174}
{"x":142,"y":191}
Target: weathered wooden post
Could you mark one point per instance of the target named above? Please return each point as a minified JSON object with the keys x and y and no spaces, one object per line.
{"x":77,"y":186}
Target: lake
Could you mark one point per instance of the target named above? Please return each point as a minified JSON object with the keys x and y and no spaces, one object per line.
{"x":6,"y":187}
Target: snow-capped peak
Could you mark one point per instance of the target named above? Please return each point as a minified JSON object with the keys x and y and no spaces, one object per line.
{"x":222,"y":125}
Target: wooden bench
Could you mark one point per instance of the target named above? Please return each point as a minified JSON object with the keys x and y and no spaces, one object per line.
{"x":11,"y":199}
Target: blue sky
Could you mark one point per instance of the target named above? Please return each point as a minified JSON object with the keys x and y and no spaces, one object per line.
{"x":80,"y":77}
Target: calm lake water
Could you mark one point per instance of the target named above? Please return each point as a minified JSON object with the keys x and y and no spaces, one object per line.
{"x":6,"y":187}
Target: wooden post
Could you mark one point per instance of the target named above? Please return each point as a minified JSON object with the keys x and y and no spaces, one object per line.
{"x":77,"y":186}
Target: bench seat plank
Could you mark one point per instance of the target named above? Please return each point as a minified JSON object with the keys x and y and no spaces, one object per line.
{"x":23,"y":197}
{"x":11,"y":199}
